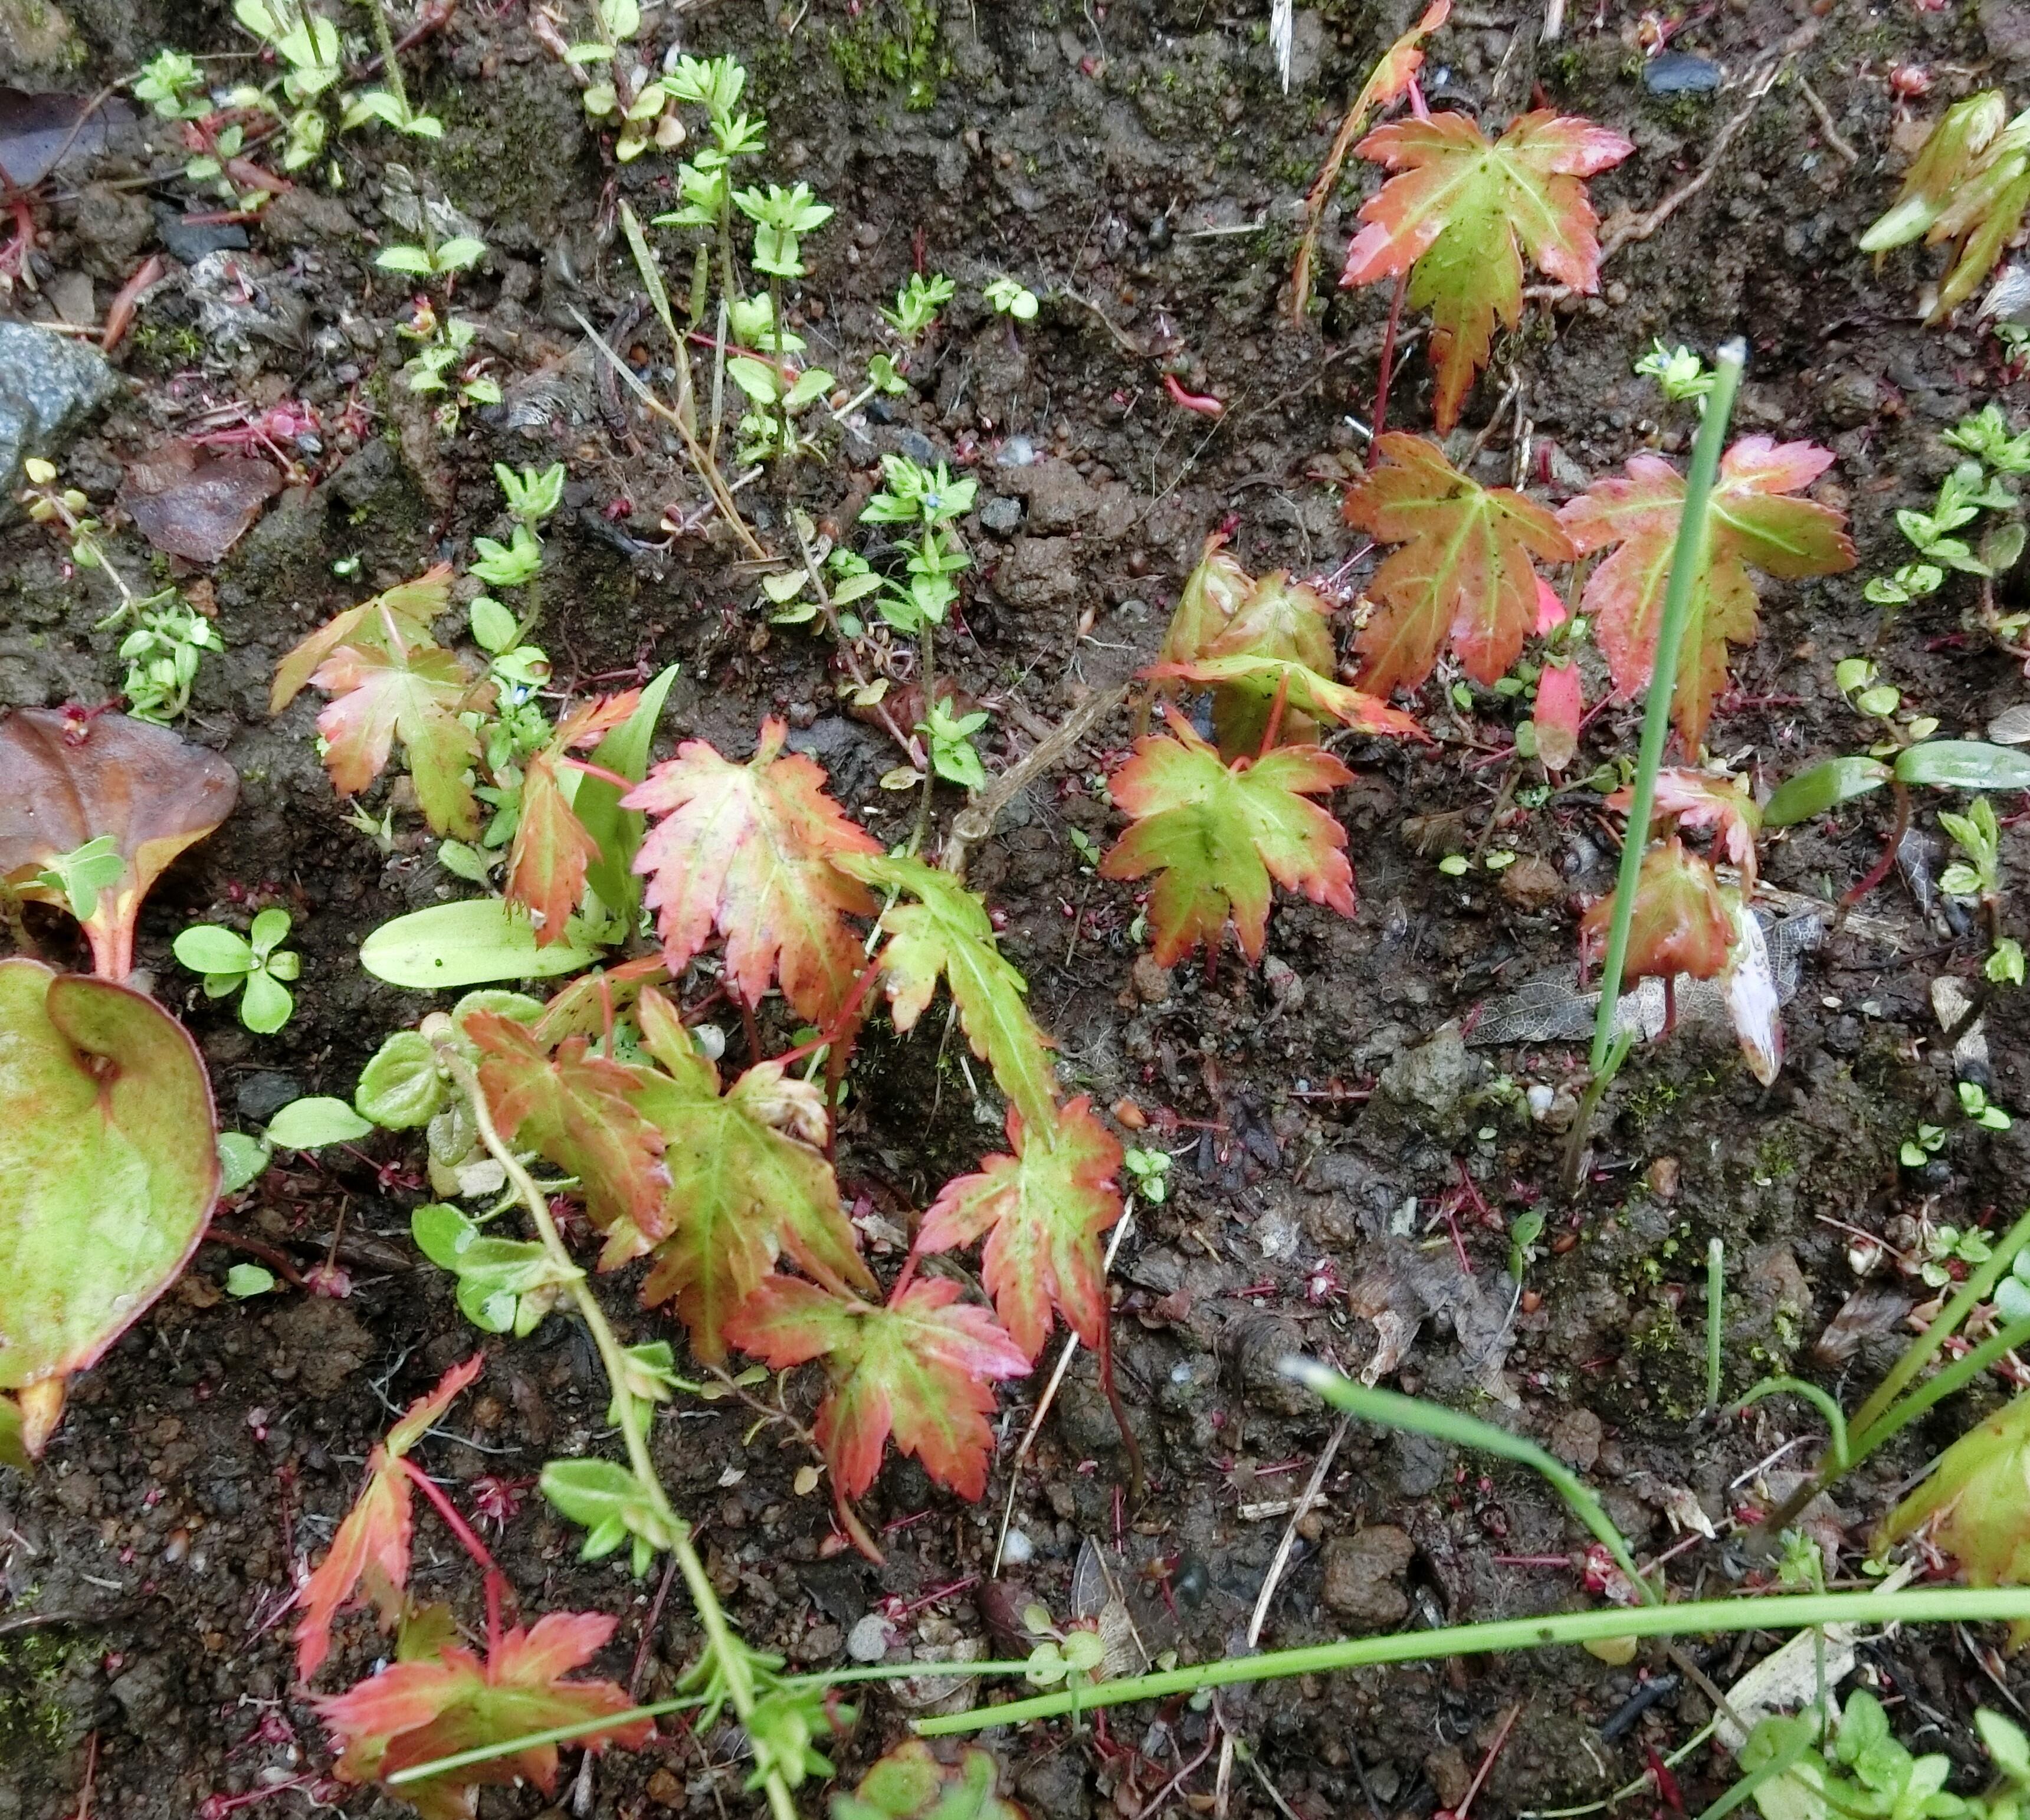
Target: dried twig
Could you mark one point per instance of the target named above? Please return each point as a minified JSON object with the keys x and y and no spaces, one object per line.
{"x":1832,"y":133}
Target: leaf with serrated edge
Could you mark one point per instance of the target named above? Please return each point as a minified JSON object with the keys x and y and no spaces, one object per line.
{"x":547,"y":863}
{"x":1754,"y":521}
{"x":745,"y":849}
{"x":1680,"y":925}
{"x":921,"y":1367}
{"x":1217,"y":835}
{"x":1307,"y":696}
{"x":1463,"y":577}
{"x":1454,"y":215}
{"x":415,"y":1712}
{"x":1042,"y":1210}
{"x":416,"y":691}
{"x":402,"y":615}
{"x":747,"y":1181}
{"x":1708,"y":799}
{"x":372,"y":1544}
{"x":578,"y":1109}
{"x":946,"y":930}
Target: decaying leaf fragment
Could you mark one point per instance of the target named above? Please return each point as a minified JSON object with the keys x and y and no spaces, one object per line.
{"x":71,"y":779}
{"x":107,"y":1172}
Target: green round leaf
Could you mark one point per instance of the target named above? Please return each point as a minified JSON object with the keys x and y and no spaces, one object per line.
{"x":400,"y":1088}
{"x":269,"y":926}
{"x":310,"y":1124}
{"x":207,"y":948}
{"x":267,"y":1004}
{"x":248,"y":1279}
{"x":240,"y":1159}
{"x":285,"y":965}
{"x":107,"y":1175}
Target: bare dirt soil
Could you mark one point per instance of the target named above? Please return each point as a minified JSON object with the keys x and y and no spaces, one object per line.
{"x":1138,"y":166}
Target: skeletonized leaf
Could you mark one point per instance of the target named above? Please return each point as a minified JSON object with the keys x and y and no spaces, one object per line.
{"x":1454,"y":216}
{"x":1754,"y":524}
{"x":746,"y":849}
{"x":578,"y":1109}
{"x":417,"y":1711}
{"x":1464,"y":576}
{"x":1218,"y":834}
{"x":747,"y":1181}
{"x":1043,"y":1210}
{"x":946,"y":930}
{"x":921,"y":1367}
{"x":372,"y":1544}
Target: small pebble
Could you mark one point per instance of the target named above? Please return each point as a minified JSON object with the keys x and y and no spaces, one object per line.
{"x":868,"y":1641}
{"x":1539,"y":1097}
{"x":1680,"y":73}
{"x":1017,"y":1548}
{"x":1016,"y":451}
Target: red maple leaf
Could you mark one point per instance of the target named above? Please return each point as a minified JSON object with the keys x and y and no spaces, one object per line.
{"x":1452,"y":219}
{"x":1681,"y":924}
{"x":745,"y":849}
{"x":415,"y":1712}
{"x":1752,"y":525}
{"x":920,"y":1367}
{"x":1464,"y":576}
{"x":552,"y":851}
{"x":399,"y":617}
{"x":417,"y":690}
{"x":578,"y":1109}
{"x":372,"y":1544}
{"x":1217,"y":834}
{"x":1043,"y":1210}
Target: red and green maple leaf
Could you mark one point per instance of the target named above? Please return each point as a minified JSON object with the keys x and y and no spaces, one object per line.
{"x":1681,"y":924}
{"x":415,"y":1712}
{"x":371,"y":1547}
{"x":399,"y":617}
{"x":1217,"y":834}
{"x":1463,"y":578}
{"x":416,"y":691}
{"x":578,"y":1110}
{"x":1042,"y":1210}
{"x":911,"y":1784}
{"x":748,"y":1181}
{"x":1460,"y":215}
{"x":552,"y":851}
{"x":1970,"y":184}
{"x":747,"y":850}
{"x":946,"y":932}
{"x":1713,"y":799}
{"x":922,"y":1367}
{"x":1754,"y":524}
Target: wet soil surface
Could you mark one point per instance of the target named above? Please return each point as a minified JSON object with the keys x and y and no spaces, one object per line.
{"x":1342,"y":1154}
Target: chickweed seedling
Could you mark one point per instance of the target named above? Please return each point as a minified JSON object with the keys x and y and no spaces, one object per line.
{"x":1686,"y":379}
{"x":950,"y":737}
{"x":163,"y":655}
{"x":932,"y":500}
{"x":1150,"y":1172}
{"x":917,"y":304}
{"x":173,"y":86}
{"x":256,"y":960}
{"x":1010,"y":298}
{"x":626,"y":95}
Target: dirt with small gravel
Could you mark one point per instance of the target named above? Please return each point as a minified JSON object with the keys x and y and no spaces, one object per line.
{"x":1348,"y":1162}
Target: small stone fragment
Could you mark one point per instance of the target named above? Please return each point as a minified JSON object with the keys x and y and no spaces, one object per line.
{"x":1361,"y":1576}
{"x":1575,"y":1438}
{"x":867,"y":1640}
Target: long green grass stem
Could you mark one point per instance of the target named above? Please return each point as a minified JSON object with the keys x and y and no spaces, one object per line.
{"x":1823,"y":1401}
{"x":1687,"y":562}
{"x":1704,"y":1617}
{"x":1390,"y":1409}
{"x":1715,"y":1306}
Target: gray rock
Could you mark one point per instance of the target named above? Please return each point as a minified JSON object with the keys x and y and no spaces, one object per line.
{"x":1362,"y":1573}
{"x":867,"y":1640}
{"x":1432,"y":1082}
{"x":190,"y":242}
{"x":1002,"y":516}
{"x":49,"y":385}
{"x":261,"y":1095}
{"x":1054,"y":1787}
{"x":1680,"y":73}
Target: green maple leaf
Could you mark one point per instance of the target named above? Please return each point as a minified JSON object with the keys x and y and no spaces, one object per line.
{"x":946,"y":932}
{"x":747,"y":1181}
{"x":1043,"y":1209}
{"x":910,"y":1784}
{"x":1454,"y":218}
{"x":1218,"y":834}
{"x":1463,"y":577}
{"x":921,"y":1367}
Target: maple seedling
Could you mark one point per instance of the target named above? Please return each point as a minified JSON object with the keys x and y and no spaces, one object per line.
{"x":1459,"y":214}
{"x":255,"y":961}
{"x":1969,"y":185}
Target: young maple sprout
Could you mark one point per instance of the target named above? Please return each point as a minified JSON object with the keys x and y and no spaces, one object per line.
{"x":256,"y":962}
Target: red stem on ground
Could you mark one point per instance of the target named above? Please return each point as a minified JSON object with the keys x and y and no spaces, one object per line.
{"x":1275,"y":725}
{"x":1386,"y":370}
{"x":1135,"y":1474}
{"x":449,"y":1511}
{"x":1877,"y":873}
